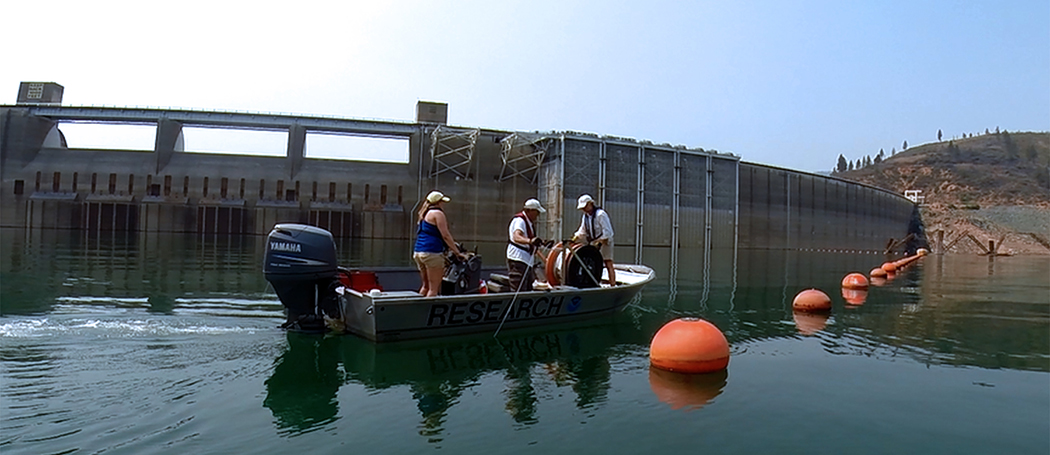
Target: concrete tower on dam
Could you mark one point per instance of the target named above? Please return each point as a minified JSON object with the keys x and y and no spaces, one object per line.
{"x":661,"y":197}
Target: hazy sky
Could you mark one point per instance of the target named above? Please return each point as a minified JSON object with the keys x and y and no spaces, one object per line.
{"x":788,"y":83}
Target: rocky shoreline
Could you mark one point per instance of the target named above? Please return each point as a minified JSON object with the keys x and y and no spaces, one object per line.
{"x":1015,"y":225}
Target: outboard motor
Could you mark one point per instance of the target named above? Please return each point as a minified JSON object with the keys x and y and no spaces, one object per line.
{"x":300,"y":263}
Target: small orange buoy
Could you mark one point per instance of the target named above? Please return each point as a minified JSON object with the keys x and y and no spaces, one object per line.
{"x":812,"y":300}
{"x":877,"y":272}
{"x":889,"y":267}
{"x":810,"y":323}
{"x":855,"y":281}
{"x":854,"y":296}
{"x":689,"y":345}
{"x":879,"y":280}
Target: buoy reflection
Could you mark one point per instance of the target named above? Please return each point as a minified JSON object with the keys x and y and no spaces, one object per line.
{"x":854,"y":296}
{"x":686,"y":391}
{"x":809,"y":323}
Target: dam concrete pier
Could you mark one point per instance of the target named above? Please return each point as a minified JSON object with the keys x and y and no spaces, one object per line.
{"x":659,"y":196}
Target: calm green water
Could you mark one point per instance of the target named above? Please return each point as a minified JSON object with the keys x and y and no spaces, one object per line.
{"x":168,"y":344}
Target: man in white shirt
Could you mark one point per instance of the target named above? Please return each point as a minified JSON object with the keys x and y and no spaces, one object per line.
{"x":522,"y":246}
{"x":596,"y":229}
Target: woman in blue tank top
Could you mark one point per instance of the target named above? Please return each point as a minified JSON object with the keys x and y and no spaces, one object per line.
{"x":432,"y":238}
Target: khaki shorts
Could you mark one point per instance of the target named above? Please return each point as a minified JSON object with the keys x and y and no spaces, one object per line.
{"x":429,"y":260}
{"x":607,"y":251}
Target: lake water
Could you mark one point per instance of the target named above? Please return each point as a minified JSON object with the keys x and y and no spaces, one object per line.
{"x":168,"y":344}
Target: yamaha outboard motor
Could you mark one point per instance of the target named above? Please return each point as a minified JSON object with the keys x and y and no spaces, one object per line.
{"x":300,"y":263}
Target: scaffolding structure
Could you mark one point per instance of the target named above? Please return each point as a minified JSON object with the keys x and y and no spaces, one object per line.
{"x":452,"y":150}
{"x":522,"y":155}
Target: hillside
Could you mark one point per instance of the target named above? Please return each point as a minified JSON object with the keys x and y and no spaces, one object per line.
{"x":990,"y":185}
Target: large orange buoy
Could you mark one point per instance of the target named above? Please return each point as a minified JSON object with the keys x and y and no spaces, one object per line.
{"x":689,"y":345}
{"x":810,"y":323}
{"x":854,"y":296}
{"x":688,"y":391}
{"x":877,"y":272}
{"x":855,"y":281}
{"x":889,"y":267}
{"x":812,"y":300}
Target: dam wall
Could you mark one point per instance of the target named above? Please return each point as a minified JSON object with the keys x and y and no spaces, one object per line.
{"x":661,"y":198}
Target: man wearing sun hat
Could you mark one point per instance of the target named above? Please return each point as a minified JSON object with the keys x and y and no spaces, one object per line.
{"x":522,"y":246}
{"x":596,"y":229}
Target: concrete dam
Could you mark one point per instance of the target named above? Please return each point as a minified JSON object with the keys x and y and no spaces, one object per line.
{"x":663,"y":199}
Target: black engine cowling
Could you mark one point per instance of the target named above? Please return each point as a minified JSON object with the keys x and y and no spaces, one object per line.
{"x":462,"y":276}
{"x":300,"y":264}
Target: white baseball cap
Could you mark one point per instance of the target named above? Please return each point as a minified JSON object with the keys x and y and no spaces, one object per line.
{"x":435,"y":196}
{"x":535,"y":205}
{"x":583,"y":200}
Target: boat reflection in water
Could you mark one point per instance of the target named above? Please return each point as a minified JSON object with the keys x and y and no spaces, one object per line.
{"x":302,"y":390}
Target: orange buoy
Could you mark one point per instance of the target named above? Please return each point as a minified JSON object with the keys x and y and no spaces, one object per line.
{"x":810,"y":323}
{"x":889,"y":267}
{"x":689,"y":345}
{"x":855,"y":281}
{"x":877,"y":272}
{"x":812,"y":300}
{"x":879,"y":280}
{"x":855,"y":296}
{"x":688,"y":391}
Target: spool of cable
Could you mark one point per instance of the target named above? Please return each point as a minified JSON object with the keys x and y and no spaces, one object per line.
{"x":584,"y":266}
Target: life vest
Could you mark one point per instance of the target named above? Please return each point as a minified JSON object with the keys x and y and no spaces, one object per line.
{"x":588,"y":224}
{"x":529,"y":232}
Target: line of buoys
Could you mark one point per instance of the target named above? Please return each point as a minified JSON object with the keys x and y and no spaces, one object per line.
{"x":689,"y":345}
{"x":811,"y":300}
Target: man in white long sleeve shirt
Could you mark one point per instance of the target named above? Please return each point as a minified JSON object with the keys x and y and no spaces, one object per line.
{"x":596,"y":229}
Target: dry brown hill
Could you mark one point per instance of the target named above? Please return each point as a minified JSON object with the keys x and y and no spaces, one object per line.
{"x":990,"y":185}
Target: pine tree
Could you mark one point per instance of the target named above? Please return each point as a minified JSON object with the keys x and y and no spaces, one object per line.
{"x":905,"y":146}
{"x":841,"y":164}
{"x":851,"y":165}
{"x":938,"y":135}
